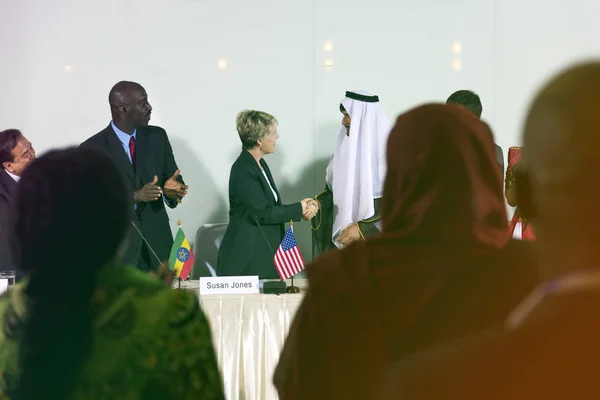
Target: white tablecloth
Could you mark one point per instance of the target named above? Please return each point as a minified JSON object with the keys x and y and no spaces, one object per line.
{"x":248,"y":334}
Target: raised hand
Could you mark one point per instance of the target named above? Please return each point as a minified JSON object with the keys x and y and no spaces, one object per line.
{"x":164,"y":274}
{"x":149,"y":192}
{"x":174,"y":189}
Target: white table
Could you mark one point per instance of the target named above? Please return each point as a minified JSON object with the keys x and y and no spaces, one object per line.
{"x":248,"y":334}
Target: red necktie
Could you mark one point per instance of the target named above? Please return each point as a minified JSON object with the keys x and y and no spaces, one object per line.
{"x":132,"y":150}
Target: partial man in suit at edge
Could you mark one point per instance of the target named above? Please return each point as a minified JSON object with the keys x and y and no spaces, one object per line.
{"x":144,"y":154}
{"x":15,"y":154}
{"x":471,"y":101}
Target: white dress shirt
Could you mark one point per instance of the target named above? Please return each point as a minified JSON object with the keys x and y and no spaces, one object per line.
{"x":269,"y":183}
{"x":15,"y":177}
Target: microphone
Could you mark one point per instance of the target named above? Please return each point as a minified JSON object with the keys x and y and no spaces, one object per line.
{"x":147,"y":244}
{"x":263,"y":234}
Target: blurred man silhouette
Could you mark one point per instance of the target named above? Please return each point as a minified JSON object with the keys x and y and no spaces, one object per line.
{"x":550,"y":347}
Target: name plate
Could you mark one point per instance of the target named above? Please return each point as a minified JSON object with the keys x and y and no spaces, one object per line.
{"x":229,"y":285}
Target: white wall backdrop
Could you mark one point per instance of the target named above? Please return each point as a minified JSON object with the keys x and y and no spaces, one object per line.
{"x":202,"y":61}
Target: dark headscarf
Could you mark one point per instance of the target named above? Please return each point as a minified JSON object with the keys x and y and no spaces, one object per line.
{"x":442,"y":212}
{"x":442,"y":192}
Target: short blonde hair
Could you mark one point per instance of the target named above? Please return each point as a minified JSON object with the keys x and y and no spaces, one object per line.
{"x":252,"y":126}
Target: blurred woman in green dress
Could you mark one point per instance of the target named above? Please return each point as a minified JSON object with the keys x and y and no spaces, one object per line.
{"x":82,"y":326}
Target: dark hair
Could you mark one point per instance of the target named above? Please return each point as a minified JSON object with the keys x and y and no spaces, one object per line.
{"x":120,"y":90}
{"x":8,"y":141}
{"x":67,"y":221}
{"x":467,"y":99}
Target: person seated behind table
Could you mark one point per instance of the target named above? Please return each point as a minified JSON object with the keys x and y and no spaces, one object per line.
{"x":16,"y":152}
{"x":82,"y":326}
{"x":255,"y":203}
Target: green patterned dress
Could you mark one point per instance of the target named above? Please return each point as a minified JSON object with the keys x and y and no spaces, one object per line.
{"x":149,"y":341}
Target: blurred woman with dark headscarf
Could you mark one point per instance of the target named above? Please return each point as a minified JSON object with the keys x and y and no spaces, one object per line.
{"x":443,"y":266}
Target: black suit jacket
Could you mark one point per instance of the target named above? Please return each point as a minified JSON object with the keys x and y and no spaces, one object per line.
{"x":499,"y":157}
{"x":154,"y":156}
{"x":8,"y":187}
{"x":244,"y":249}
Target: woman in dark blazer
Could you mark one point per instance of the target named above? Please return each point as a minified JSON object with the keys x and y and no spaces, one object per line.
{"x":255,"y":203}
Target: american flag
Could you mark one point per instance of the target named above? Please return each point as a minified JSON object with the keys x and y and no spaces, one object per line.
{"x":288,"y":259}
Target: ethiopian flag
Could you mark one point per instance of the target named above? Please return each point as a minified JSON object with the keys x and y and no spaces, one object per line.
{"x":182,"y":258}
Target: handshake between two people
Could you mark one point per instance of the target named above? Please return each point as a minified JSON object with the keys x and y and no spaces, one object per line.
{"x":172,"y":190}
{"x":310,"y":207}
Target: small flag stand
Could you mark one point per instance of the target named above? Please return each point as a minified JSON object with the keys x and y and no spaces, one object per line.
{"x":292,"y":288}
{"x":181,"y":258}
{"x":179,"y":278}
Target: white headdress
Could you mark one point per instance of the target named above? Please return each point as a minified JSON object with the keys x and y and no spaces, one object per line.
{"x":356,"y":171}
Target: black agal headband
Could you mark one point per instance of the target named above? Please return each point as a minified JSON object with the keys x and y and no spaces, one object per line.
{"x":362,"y":97}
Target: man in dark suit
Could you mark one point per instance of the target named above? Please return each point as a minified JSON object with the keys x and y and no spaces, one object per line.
{"x":15,"y":153}
{"x":471,"y":101}
{"x":550,"y":347}
{"x":145,"y":156}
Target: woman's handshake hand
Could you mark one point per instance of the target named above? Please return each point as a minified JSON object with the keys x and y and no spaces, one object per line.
{"x":310,"y":207}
